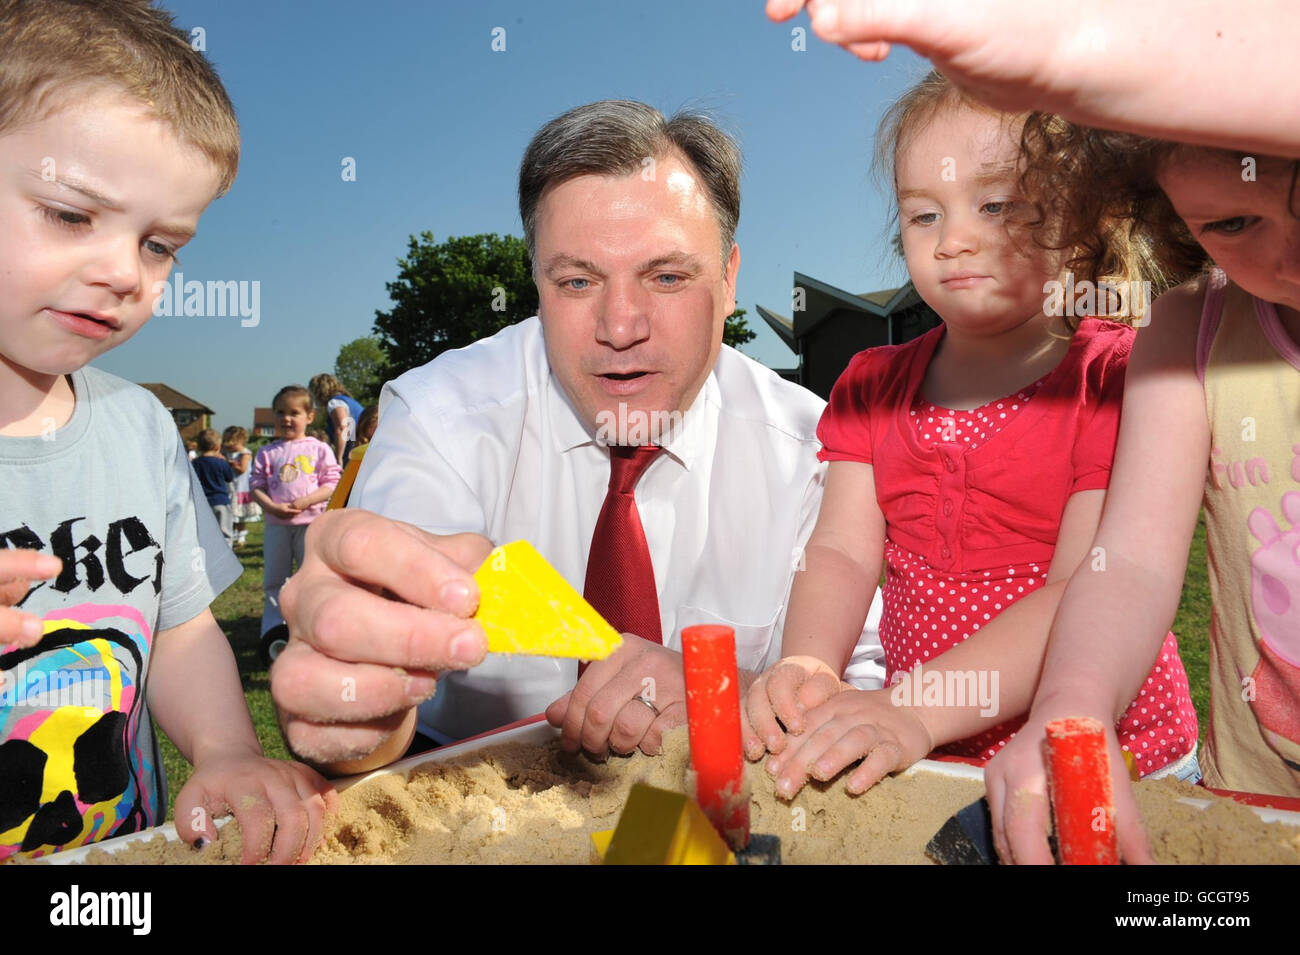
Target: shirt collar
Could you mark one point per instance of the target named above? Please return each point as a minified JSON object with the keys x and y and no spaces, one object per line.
{"x":686,"y":442}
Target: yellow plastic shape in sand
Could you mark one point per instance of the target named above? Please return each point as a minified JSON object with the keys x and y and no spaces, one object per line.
{"x":525,"y":606}
{"x":659,"y":827}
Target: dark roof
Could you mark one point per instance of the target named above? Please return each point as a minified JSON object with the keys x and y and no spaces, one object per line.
{"x":263,"y":416}
{"x":173,"y":400}
{"x":821,"y":300}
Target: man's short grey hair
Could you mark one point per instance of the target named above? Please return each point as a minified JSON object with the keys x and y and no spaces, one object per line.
{"x":614,"y":138}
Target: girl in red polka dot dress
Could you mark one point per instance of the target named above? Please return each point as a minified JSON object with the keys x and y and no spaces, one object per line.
{"x":972,"y":465}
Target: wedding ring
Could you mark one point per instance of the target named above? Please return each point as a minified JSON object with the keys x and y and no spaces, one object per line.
{"x":642,"y":699}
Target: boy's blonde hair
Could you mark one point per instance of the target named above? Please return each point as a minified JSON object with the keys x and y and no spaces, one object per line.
{"x":51,"y":48}
{"x":209,"y":440}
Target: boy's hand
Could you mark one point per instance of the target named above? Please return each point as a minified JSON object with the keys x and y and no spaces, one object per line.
{"x":376,"y":609}
{"x":853,"y":725}
{"x":18,"y":568}
{"x":282,"y":807}
{"x":785,"y":691}
{"x":1016,"y":783}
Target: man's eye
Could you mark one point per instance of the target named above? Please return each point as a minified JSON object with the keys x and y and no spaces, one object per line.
{"x":1227,"y":226}
{"x":672,"y":279}
{"x":576,"y":285}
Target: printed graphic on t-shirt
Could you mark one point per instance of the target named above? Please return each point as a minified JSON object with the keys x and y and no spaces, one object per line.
{"x":290,"y":471}
{"x":1275,"y":603}
{"x":77,"y":760}
{"x":75,"y":769}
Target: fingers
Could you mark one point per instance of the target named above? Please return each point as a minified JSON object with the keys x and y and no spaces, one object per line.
{"x":749,"y":739}
{"x":19,"y":629}
{"x":871,"y":52}
{"x":671,"y":717}
{"x":782,"y":685}
{"x":837,"y":744}
{"x":816,"y":690}
{"x":18,"y":568}
{"x":885,"y":757}
{"x":779,"y":10}
{"x":589,"y":684}
{"x":1134,"y":848}
{"x":630,"y":726}
{"x":308,"y":683}
{"x":327,"y":743}
{"x":762,"y":718}
{"x":610,"y":704}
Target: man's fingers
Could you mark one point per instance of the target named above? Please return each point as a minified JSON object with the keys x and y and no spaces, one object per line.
{"x":606,"y":706}
{"x":871,"y":52}
{"x":19,"y":628}
{"x":324,"y":743}
{"x":309,"y":683}
{"x":630,"y":726}
{"x":416,"y":567}
{"x":347,"y":623}
{"x":671,"y":717}
{"x":592,"y":680}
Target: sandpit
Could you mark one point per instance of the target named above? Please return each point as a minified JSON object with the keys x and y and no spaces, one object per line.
{"x":527,"y":802}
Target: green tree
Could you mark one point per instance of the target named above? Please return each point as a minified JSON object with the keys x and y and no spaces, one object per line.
{"x":450,"y":294}
{"x":737,"y":331}
{"x":362,"y":367}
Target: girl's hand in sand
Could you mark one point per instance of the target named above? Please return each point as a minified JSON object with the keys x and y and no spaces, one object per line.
{"x":18,"y":568}
{"x":1016,"y":784}
{"x":853,"y":725}
{"x":377,"y":608}
{"x":281,"y":806}
{"x":779,"y":698}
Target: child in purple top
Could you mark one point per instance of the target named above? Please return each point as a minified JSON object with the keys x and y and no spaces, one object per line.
{"x":292,"y":480}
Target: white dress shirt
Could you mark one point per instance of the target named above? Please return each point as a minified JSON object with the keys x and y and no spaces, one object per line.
{"x":484,"y":439}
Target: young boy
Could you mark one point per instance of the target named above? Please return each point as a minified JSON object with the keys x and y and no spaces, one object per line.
{"x":114,"y":137}
{"x":215,"y":476}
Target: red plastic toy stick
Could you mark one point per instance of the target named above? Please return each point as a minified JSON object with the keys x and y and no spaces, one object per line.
{"x":713,"y":716}
{"x":1083,"y":801}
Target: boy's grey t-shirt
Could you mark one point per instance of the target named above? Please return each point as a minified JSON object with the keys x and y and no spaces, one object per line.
{"x":112,"y":494}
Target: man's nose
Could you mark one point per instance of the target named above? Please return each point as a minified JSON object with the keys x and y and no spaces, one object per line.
{"x":624,"y":315}
{"x":115,"y":264}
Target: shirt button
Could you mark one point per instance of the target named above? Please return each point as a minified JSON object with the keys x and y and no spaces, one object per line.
{"x":947,"y":508}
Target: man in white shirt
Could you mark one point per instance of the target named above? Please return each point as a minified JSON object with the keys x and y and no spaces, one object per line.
{"x":630,"y":221}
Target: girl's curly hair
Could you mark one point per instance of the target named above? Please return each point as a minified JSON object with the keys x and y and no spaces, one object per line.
{"x":1098,"y":190}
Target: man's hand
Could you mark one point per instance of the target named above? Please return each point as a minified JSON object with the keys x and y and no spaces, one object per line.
{"x":18,"y":568}
{"x":608,"y":710}
{"x":1016,"y":784}
{"x":377,"y":609}
{"x":784,"y":691}
{"x":853,"y":725}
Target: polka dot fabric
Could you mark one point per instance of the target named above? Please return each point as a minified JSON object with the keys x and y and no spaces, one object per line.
{"x":927,"y":612}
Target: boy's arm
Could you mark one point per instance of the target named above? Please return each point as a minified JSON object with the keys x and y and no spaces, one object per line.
{"x":197,"y":698}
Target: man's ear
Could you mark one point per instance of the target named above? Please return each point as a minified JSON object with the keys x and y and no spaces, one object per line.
{"x":729,"y":276}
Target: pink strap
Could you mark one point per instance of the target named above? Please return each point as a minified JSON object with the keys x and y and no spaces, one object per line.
{"x":1211,"y":315}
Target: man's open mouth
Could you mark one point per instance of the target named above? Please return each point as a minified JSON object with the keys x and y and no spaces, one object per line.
{"x":624,"y":375}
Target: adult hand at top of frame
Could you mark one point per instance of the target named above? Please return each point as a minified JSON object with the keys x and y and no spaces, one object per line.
{"x":1012,"y":54}
{"x":1016,"y":784}
{"x":18,"y":568}
{"x":377,"y":608}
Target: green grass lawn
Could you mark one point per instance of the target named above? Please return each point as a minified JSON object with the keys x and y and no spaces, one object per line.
{"x":239,"y":611}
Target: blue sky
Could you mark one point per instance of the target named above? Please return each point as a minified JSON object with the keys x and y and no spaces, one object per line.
{"x":437,"y":122}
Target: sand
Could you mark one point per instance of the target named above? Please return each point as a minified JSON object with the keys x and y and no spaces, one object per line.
{"x":530,"y":803}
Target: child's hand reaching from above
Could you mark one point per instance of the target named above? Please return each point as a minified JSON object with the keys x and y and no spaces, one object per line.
{"x":853,"y":725}
{"x":18,"y":568}
{"x":281,"y":806}
{"x":785,"y":691}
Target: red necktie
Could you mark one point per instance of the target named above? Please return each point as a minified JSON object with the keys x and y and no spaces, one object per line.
{"x":620,"y":577}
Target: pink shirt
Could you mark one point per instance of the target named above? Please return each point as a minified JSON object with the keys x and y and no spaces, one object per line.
{"x":288,"y":470}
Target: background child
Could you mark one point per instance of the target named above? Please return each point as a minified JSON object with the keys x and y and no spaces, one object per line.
{"x":972,"y":463}
{"x":1220,"y":362}
{"x":215,"y":477}
{"x":116,"y":632}
{"x":292,"y":480}
{"x":342,"y":414}
{"x":246,"y":510}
